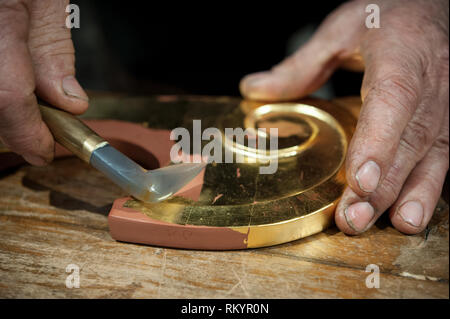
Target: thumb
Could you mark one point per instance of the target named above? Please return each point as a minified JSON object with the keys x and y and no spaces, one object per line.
{"x":336,"y":41}
{"x":52,"y":53}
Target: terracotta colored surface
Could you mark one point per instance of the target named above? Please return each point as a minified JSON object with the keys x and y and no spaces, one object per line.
{"x":128,"y":225}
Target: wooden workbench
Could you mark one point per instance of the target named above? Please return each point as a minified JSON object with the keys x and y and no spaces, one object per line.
{"x":57,"y":215}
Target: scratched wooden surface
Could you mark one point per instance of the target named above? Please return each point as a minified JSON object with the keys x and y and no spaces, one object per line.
{"x":55,"y":216}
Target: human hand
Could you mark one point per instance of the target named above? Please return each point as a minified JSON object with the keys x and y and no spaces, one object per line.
{"x":399,"y":153}
{"x":36,"y":58}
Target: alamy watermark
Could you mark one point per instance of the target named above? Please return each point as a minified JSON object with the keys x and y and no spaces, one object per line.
{"x":373,"y":280}
{"x":373,"y":19}
{"x":73,"y":279}
{"x":228,"y":148}
{"x":73,"y":19}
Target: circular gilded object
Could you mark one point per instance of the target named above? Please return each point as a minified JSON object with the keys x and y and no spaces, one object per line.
{"x":238,"y":207}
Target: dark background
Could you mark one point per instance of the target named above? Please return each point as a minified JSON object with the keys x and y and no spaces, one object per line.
{"x":144,"y":47}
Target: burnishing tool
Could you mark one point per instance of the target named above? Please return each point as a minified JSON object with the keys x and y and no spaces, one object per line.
{"x":145,"y":185}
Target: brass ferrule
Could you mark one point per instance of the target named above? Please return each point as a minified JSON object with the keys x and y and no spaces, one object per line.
{"x":70,"y":132}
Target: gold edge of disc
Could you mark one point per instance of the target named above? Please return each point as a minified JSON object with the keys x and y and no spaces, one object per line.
{"x":288,"y":230}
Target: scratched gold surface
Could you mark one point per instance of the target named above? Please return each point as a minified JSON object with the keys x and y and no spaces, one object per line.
{"x":297,"y":201}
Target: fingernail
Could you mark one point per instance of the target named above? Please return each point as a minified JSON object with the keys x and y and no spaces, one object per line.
{"x":72,"y":88}
{"x":35,"y":160}
{"x":412,"y":213}
{"x":359,"y":215}
{"x":368,"y":176}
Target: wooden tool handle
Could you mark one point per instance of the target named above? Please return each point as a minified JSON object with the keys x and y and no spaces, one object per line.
{"x":70,"y":132}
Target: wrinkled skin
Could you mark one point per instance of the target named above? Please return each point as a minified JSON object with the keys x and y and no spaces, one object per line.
{"x":399,"y":155}
{"x":36,"y":58}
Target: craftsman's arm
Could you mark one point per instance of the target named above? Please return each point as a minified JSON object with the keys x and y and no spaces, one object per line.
{"x":399,"y":154}
{"x":36,"y":57}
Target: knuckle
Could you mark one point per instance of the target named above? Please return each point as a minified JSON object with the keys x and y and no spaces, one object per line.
{"x":442,"y":60}
{"x":397,"y":91}
{"x":389,"y":189}
{"x":428,"y":178}
{"x":417,"y":137}
{"x":442,"y":54}
{"x":50,"y":43}
{"x":382,"y":138}
{"x":48,"y":35}
{"x":437,"y":63}
{"x":371,"y":138}
{"x":441,"y":145}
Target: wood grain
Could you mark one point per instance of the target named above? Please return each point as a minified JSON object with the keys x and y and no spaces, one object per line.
{"x":54,"y":216}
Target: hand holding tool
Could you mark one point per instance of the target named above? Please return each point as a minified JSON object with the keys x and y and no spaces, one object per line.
{"x":148,"y":186}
